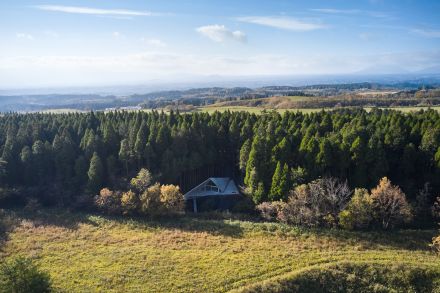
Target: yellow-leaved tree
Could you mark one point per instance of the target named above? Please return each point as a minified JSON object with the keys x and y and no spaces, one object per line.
{"x":390,"y":206}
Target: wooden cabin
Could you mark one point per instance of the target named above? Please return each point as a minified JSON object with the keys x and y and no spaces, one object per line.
{"x":221,"y":193}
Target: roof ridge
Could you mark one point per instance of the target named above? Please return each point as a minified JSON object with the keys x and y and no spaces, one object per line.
{"x":227,"y":184}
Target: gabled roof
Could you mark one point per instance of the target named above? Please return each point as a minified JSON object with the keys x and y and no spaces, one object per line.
{"x":225,"y":185}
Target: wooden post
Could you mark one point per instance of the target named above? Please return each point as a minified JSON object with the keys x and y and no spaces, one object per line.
{"x":195,"y":205}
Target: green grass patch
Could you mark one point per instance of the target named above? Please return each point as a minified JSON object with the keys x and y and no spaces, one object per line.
{"x":354,"y":277}
{"x":94,"y":253}
{"x":259,"y":110}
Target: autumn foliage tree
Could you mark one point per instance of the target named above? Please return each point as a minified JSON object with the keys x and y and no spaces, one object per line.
{"x":150,"y":200}
{"x":108,"y":201}
{"x":171,"y":198}
{"x":143,"y":198}
{"x":129,"y":202}
{"x":390,"y":205}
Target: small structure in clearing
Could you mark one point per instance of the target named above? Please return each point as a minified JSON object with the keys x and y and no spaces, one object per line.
{"x":221,"y":193}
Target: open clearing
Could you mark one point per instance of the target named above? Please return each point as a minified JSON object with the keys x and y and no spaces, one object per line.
{"x":86,"y":252}
{"x":258,"y":110}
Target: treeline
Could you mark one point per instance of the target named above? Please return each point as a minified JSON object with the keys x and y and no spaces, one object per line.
{"x":362,"y":101}
{"x":56,"y":158}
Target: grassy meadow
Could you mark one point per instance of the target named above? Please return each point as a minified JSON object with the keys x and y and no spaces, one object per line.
{"x":95,"y":253}
{"x":259,"y":110}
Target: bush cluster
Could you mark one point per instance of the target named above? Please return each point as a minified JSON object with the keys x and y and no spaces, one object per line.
{"x":143,"y":197}
{"x":329,"y":202}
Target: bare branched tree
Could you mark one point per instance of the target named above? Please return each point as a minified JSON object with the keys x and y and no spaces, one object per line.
{"x":336,"y":194}
{"x":317,"y":202}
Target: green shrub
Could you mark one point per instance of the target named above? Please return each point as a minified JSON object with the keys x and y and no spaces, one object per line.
{"x":142,"y":181}
{"x":359,"y":212}
{"x":348,"y":277}
{"x":20,"y":275}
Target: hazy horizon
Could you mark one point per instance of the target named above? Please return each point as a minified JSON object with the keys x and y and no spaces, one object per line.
{"x":82,"y":44}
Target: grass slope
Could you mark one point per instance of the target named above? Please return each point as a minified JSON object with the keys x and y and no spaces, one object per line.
{"x":90,"y":253}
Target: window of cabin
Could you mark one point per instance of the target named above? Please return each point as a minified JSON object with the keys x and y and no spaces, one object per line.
{"x":210,"y":186}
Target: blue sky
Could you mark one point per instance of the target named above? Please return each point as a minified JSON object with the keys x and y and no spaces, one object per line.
{"x":97,"y":42}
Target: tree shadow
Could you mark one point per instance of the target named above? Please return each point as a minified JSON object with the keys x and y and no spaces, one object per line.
{"x":219,"y":225}
{"x":214,"y":227}
{"x":397,"y":239}
{"x":71,"y":220}
{"x":53,"y":217}
{"x":7,"y":223}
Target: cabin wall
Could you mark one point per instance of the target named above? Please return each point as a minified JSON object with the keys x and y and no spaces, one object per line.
{"x":213,"y":203}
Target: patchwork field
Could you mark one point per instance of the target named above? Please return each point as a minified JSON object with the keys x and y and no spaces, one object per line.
{"x":258,"y":110}
{"x":91,"y":253}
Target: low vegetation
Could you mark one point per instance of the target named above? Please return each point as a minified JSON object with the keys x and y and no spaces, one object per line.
{"x":349,"y":277}
{"x":20,"y":275}
{"x":329,"y":202}
{"x":144,"y":198}
{"x":88,"y":252}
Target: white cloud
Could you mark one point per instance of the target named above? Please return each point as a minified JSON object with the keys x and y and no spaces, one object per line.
{"x":24,"y":36}
{"x":94,"y":11}
{"x":116,"y":34}
{"x":336,"y":11}
{"x":52,"y":34}
{"x":219,"y":33}
{"x":427,"y":33}
{"x":283,"y":22}
{"x":376,"y":14}
{"x":154,"y":42}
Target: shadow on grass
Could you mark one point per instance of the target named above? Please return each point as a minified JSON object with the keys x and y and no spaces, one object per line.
{"x":216,"y":225}
{"x":397,"y":239}
{"x":7,"y":223}
{"x":72,"y":220}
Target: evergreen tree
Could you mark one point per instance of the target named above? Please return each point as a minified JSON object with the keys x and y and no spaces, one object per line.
{"x":95,"y":174}
{"x":125,"y":154}
{"x":280,"y":183}
{"x":244,"y":155}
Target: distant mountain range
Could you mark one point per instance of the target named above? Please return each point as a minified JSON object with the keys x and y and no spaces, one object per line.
{"x":100,"y":100}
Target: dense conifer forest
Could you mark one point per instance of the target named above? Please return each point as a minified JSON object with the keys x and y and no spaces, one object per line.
{"x":56,"y":158}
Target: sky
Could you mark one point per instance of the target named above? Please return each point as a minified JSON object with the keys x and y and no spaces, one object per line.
{"x":96,"y":42}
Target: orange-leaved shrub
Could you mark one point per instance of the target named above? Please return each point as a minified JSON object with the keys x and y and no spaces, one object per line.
{"x":109,"y":201}
{"x":270,"y":211}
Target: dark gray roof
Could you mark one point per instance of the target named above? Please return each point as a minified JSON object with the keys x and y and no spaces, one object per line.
{"x":225,"y":185}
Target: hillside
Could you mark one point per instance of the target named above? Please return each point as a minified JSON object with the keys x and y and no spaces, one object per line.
{"x":86,"y":252}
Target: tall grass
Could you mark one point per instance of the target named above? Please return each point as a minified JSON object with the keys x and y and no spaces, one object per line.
{"x":89,"y":253}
